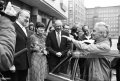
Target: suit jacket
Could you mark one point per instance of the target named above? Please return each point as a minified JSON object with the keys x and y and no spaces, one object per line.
{"x":52,"y":45}
{"x":22,"y":61}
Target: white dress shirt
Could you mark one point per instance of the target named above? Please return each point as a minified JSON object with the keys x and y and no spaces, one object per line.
{"x":22,"y":27}
{"x":58,"y":36}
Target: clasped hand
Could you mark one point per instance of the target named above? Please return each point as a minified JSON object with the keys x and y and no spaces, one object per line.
{"x":13,"y":68}
{"x":59,"y":54}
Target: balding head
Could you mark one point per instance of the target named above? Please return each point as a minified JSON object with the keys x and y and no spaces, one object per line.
{"x":100,"y":31}
{"x":58,"y":22}
{"x":103,"y":27}
{"x":58,"y":25}
{"x":23,"y":17}
{"x":22,"y":12}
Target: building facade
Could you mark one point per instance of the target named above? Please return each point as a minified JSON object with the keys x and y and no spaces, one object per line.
{"x":42,"y":10}
{"x":109,"y":15}
{"x":76,"y":12}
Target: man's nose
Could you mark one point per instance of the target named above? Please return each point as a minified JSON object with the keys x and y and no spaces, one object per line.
{"x":27,"y":19}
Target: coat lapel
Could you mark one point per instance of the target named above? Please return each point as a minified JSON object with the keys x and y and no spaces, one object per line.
{"x":18,"y":28}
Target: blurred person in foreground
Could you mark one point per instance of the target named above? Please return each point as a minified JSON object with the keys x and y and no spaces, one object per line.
{"x":7,"y":46}
{"x":7,"y":42}
{"x":57,"y":48}
{"x":38,"y":68}
{"x":97,"y":68}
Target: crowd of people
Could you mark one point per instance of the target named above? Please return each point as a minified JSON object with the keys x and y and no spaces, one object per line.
{"x":45,"y":50}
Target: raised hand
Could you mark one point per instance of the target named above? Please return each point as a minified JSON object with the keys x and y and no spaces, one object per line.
{"x":69,"y":38}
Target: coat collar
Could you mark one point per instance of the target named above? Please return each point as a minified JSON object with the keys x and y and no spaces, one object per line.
{"x":19,"y":29}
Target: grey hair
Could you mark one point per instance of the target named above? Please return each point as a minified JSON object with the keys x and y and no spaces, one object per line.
{"x":21,"y":11}
{"x":103,"y":24}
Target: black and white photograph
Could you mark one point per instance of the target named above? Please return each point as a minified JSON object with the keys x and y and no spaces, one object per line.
{"x":59,"y":40}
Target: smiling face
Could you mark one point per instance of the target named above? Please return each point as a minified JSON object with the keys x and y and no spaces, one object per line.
{"x":24,"y":17}
{"x":99,"y":31}
{"x":96,"y":33}
{"x":86,"y":30}
{"x":58,"y":25}
{"x":67,"y":28}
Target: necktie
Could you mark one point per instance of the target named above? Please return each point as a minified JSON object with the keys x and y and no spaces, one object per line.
{"x":58,"y":39}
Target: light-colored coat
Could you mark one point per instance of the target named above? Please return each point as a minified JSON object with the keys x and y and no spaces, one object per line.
{"x":97,"y":66}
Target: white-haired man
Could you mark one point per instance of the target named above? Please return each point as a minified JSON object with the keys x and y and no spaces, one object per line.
{"x":97,"y":68}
